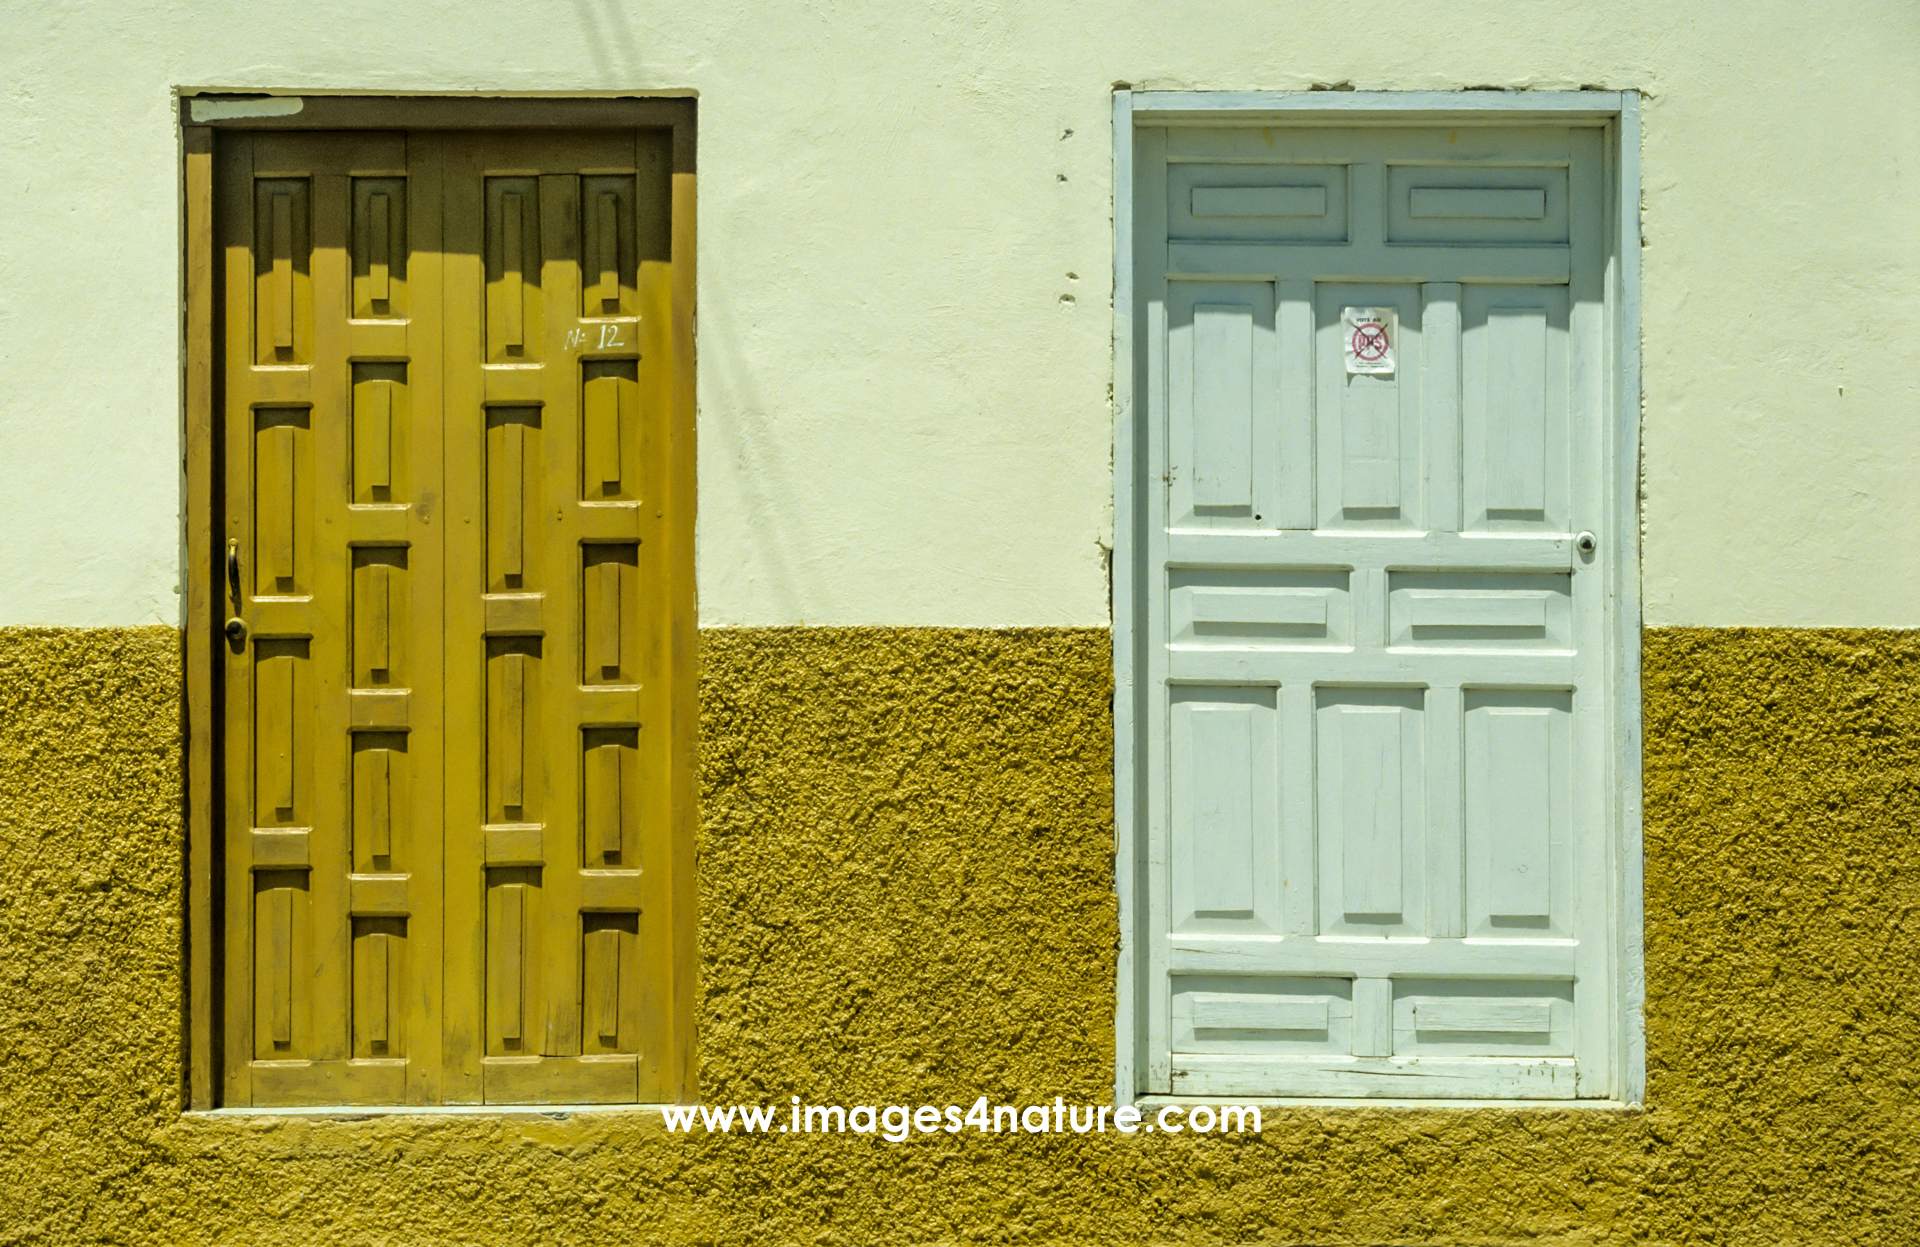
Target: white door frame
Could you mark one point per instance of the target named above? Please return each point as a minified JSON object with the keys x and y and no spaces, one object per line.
{"x":1620,"y":113}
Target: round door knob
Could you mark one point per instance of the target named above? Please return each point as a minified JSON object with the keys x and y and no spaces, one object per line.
{"x":236,"y":630}
{"x":1586,"y":543}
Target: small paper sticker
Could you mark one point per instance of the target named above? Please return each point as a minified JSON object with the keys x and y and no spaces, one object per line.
{"x":1369,"y":333}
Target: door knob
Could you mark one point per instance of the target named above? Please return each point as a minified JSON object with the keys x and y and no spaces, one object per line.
{"x":1586,"y":543}
{"x":237,"y":630}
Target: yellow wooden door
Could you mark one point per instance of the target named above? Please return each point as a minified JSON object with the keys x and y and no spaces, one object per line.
{"x":556,"y":245}
{"x":450,"y":695}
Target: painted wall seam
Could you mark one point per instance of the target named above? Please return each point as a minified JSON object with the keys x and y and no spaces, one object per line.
{"x":1125,"y":694}
{"x":1630,"y":784}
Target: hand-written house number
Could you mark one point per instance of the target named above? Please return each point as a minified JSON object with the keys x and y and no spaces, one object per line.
{"x":585,"y":338}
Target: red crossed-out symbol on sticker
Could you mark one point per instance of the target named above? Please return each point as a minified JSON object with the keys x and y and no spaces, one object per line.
{"x":1370,"y":343}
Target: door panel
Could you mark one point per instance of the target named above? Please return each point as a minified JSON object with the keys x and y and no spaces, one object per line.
{"x":1223,"y":406}
{"x":447,"y":370}
{"x":331,"y":579}
{"x":1514,"y":396}
{"x":1225,"y":778}
{"x":559,"y":917}
{"x":1369,"y":429}
{"x":1518,"y":767}
{"x":1371,"y":811}
{"x":1378,"y":662}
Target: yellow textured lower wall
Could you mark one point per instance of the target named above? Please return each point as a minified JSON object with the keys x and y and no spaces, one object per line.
{"x":906,"y":873}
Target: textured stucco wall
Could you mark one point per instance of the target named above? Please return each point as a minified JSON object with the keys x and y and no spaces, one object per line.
{"x":905,"y":889}
{"x":906,"y":261}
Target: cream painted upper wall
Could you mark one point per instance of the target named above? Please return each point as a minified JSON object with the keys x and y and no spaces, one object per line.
{"x":906,"y":265}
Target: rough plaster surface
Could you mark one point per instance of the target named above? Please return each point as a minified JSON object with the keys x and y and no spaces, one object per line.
{"x":906,"y":268}
{"x":905,"y":881}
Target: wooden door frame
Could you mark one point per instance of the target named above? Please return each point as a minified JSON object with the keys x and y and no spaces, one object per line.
{"x":201,"y":117}
{"x":1618,"y":113}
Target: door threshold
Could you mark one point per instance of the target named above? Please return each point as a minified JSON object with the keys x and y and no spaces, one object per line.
{"x":354,"y":1112}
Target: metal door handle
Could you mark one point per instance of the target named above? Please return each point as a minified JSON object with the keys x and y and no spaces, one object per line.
{"x":236,"y":627}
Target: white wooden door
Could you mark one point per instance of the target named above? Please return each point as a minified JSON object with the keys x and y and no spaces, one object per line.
{"x":1377,"y":667}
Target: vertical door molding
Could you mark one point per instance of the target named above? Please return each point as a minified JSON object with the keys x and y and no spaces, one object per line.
{"x":205,"y":597}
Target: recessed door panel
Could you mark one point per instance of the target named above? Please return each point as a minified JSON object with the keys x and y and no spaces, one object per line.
{"x":1440,"y":1018}
{"x":1279,"y":202}
{"x":1290,"y":1016}
{"x":1525,"y":611}
{"x":1476,"y":204}
{"x":1518,"y":767}
{"x":1218,"y":608}
{"x":1224,"y":404}
{"x":1226,"y":784}
{"x":1513,"y":409}
{"x":1369,"y":433}
{"x":1370,"y":813}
